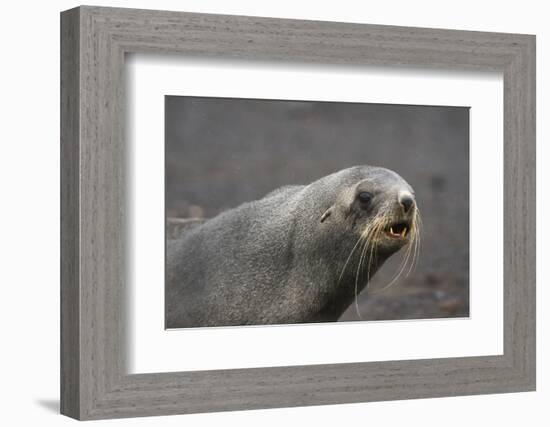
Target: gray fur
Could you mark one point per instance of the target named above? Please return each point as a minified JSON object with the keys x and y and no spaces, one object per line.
{"x":274,"y":260}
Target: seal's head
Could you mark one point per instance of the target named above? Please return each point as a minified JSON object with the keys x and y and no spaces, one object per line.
{"x":376,"y":208}
{"x":382,"y":209}
{"x":377,"y":204}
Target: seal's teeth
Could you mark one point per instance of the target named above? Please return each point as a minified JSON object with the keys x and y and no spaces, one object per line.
{"x":400,"y":232}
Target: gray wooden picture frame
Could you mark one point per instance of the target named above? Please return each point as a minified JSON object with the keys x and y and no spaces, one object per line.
{"x":94,"y":382}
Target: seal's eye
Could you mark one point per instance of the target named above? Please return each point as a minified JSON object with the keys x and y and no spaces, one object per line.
{"x":364,"y":197}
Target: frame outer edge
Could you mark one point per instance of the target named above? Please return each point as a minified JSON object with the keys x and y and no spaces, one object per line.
{"x":70,"y":396}
{"x":520,"y":216}
{"x":532,"y":138}
{"x":527,"y":166}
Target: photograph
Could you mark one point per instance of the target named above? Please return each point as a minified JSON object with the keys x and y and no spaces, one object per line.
{"x":292,"y":212}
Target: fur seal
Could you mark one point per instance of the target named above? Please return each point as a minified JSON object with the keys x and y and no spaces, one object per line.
{"x":300,"y":254}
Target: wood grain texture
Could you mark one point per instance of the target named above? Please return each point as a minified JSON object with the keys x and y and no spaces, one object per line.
{"x":70,"y":292}
{"x":94,"y":381}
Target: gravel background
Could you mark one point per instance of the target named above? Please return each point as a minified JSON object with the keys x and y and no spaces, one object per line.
{"x":222,"y":152}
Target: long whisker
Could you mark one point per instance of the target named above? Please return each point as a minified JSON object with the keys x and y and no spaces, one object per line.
{"x":362,"y":237}
{"x":417,"y":237}
{"x":373,"y":253}
{"x":349,"y":257}
{"x":378,"y":226}
{"x":419,"y":230}
{"x":368,"y":242}
{"x":399,"y":273}
{"x":368,"y":233}
{"x":363,"y":251}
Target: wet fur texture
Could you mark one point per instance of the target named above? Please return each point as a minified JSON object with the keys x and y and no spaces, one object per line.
{"x":279,"y":259}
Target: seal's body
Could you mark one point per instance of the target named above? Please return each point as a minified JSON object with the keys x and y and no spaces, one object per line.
{"x":300,"y":254}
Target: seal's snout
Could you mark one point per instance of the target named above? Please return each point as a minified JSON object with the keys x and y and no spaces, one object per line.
{"x":401,"y":225}
{"x":406,"y":200}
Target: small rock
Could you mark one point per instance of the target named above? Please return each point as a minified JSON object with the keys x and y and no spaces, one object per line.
{"x":450,"y":305}
{"x":433,"y":279}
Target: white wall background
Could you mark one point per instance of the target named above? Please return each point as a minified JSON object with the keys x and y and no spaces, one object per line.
{"x":29,"y":214}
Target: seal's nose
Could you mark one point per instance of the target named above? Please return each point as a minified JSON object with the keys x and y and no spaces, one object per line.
{"x":406,"y":200}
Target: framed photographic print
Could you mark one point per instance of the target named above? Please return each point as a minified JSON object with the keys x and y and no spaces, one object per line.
{"x":337,"y":212}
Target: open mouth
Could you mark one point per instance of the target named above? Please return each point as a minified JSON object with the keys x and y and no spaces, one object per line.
{"x":398,"y":230}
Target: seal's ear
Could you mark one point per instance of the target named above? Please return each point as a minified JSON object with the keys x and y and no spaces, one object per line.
{"x":326,"y":214}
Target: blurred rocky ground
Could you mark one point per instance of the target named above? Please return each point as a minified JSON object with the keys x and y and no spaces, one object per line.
{"x":223,"y":152}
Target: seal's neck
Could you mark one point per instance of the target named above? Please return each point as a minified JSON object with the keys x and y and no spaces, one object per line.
{"x":354,"y":265}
